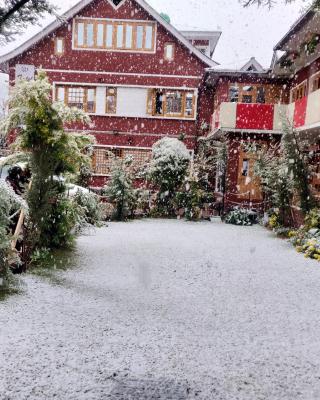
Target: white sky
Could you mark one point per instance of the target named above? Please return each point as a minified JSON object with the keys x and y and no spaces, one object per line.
{"x":245,"y":32}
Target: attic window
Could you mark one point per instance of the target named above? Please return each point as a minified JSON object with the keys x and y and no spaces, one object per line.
{"x":116,"y":3}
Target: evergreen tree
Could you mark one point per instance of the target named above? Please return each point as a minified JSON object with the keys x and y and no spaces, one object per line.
{"x":120,"y":189}
{"x":52,"y":151}
{"x":167,"y":171}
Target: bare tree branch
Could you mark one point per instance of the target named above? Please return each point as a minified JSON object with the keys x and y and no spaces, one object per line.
{"x":16,"y":15}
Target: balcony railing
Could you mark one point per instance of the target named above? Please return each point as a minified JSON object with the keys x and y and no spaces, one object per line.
{"x":248,"y":117}
{"x":304,"y":114}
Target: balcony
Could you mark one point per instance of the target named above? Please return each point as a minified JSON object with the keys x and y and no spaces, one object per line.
{"x":304,"y":114}
{"x":251,"y":117}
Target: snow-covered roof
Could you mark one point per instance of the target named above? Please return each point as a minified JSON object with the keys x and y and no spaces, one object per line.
{"x":252,"y":66}
{"x":82,"y":4}
{"x":295,"y":27}
{"x":212,"y":36}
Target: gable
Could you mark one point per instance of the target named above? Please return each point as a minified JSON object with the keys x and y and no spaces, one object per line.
{"x":119,"y":8}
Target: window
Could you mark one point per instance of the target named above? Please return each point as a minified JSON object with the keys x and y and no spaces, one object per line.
{"x":171,"y":103}
{"x":111,"y":101}
{"x":114,"y":35}
{"x":298,"y":92}
{"x":90,"y":37}
{"x":129,"y":36}
{"x":75,"y":97}
{"x":245,"y":167}
{"x":315,"y":82}
{"x":80,"y":97}
{"x":261,"y":94}
{"x":103,"y":158}
{"x":169,"y":51}
{"x":100,"y":35}
{"x":247,"y":93}
{"x":148,"y":38}
{"x":59,"y":46}
{"x":233,"y":94}
{"x":109,"y":40}
{"x":139,"y":37}
{"x":119,"y":36}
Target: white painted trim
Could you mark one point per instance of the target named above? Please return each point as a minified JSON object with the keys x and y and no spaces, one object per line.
{"x":307,"y":127}
{"x":185,"y":88}
{"x":118,"y":6}
{"x":158,"y":135}
{"x":111,"y":50}
{"x":136,"y":74}
{"x":82,"y":4}
{"x":195,"y":90}
{"x":144,"y":21}
{"x":109,"y":146}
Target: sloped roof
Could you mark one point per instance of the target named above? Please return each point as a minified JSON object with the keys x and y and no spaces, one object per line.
{"x":82,"y":4}
{"x":295,"y":27}
{"x":212,"y":36}
{"x":252,"y":65}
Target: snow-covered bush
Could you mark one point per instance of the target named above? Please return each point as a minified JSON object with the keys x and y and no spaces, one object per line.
{"x":167,"y":171}
{"x":89,"y":208}
{"x":306,"y":239}
{"x":119,"y":190}
{"x":239,"y":216}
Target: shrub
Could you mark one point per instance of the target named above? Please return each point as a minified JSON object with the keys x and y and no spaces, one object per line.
{"x":167,"y":171}
{"x":89,"y":208}
{"x":238,"y":216}
{"x":119,"y":190}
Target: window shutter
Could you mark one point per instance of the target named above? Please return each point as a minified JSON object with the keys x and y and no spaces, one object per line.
{"x":150,"y":102}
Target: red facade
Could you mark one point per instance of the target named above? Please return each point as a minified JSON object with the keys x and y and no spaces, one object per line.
{"x":126,"y":70}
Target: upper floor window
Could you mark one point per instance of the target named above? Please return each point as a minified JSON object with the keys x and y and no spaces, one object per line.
{"x":169,"y":51}
{"x":80,"y":97}
{"x":120,"y":35}
{"x":247,"y":93}
{"x":58,"y":46}
{"x":171,"y":103}
{"x":111,"y":100}
{"x":299,"y":91}
{"x":315,"y":82}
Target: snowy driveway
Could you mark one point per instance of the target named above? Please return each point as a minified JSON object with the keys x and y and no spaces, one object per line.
{"x":167,"y":310}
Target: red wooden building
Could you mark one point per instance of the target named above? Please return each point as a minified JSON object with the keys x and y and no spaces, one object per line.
{"x":137,"y":76}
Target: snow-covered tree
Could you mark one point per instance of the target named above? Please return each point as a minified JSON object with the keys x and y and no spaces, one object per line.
{"x":167,"y":170}
{"x":120,"y":190}
{"x":284,"y":174}
{"x":39,"y":125}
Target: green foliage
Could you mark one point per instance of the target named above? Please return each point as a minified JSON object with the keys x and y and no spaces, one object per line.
{"x":167,"y":171}
{"x":52,"y":152}
{"x":238,"y":217}
{"x":89,"y":208}
{"x":312,"y":219}
{"x":60,"y":223}
{"x":119,"y":190}
{"x":284,"y":175}
{"x":193,"y":194}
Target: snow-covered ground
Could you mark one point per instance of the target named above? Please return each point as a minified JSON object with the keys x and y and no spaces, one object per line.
{"x":167,"y":310}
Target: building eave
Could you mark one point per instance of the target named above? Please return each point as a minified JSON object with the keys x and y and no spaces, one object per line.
{"x":294,"y":28}
{"x":82,"y":4}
